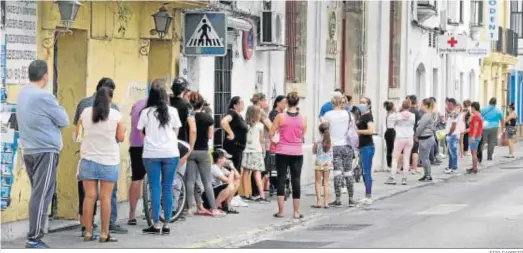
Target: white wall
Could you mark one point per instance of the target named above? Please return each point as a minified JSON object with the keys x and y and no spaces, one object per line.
{"x":243,"y":74}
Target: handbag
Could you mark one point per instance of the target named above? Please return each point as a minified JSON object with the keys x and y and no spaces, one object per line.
{"x":352,"y":134}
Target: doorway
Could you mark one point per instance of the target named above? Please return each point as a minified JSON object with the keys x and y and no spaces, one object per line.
{"x":69,"y":83}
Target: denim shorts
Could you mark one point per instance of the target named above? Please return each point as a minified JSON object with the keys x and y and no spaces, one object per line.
{"x":90,"y":170}
{"x":474,"y":143}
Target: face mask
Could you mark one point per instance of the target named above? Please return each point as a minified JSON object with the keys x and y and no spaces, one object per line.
{"x":363,"y":108}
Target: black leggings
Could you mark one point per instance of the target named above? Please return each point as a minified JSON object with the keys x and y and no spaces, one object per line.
{"x":466,"y":142}
{"x":390,"y":135}
{"x":294,"y":163}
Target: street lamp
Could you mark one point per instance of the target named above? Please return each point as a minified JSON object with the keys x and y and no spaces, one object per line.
{"x":162,"y":21}
{"x":68,"y":11}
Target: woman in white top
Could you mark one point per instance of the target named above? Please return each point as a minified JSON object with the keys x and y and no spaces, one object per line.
{"x":100,"y":159}
{"x":404,"y":122}
{"x":339,"y":120}
{"x":160,"y":122}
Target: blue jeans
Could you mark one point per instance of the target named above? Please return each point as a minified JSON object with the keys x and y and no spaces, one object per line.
{"x":160,"y":173}
{"x":114,"y":205}
{"x":366,"y":155}
{"x":452,"y":145}
{"x":434,"y":151}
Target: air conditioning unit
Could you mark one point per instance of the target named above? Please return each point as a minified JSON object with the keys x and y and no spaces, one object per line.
{"x":271,"y":28}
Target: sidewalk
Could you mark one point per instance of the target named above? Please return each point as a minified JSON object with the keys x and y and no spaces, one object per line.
{"x":256,"y":220}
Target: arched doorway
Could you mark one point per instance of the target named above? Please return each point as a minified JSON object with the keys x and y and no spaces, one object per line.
{"x":420,"y":81}
{"x":472,"y":85}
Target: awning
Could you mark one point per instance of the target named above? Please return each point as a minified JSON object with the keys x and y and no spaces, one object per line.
{"x":238,"y":24}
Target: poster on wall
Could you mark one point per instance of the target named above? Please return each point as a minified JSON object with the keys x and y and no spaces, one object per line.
{"x":18,"y":50}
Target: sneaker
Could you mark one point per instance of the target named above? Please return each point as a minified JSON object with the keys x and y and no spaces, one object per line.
{"x":352,"y":203}
{"x":509,"y":156}
{"x":404,"y":181}
{"x":448,"y":171}
{"x":366,"y":201}
{"x":238,"y":202}
{"x":390,"y":181}
{"x":248,"y":199}
{"x":335,"y":203}
{"x":117,"y":229}
{"x":152,"y":230}
{"x":36,"y":245}
{"x":425,"y":179}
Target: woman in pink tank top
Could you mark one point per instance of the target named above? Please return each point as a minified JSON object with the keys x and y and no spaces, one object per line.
{"x":289,"y":152}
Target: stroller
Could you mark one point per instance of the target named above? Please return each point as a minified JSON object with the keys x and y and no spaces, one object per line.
{"x":270,"y":165}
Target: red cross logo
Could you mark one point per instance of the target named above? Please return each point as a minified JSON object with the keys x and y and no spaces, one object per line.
{"x":452,"y":42}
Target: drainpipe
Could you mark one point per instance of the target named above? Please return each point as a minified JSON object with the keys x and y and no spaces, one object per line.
{"x":362,"y":46}
{"x":406,"y":71}
{"x":317,"y":33}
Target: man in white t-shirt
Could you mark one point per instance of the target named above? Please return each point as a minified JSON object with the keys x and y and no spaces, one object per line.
{"x":453,"y":133}
{"x":225,"y":183}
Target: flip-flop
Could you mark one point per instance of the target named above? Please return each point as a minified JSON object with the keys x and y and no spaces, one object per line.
{"x":316,"y":206}
{"x":276,"y":215}
{"x":299,"y":217}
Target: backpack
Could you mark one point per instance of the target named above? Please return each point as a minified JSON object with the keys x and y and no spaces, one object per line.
{"x":352,"y":135}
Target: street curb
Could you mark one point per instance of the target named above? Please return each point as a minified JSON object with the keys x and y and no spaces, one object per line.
{"x":256,"y":235}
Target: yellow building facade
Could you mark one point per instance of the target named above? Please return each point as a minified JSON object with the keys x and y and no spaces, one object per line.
{"x":495,"y":67}
{"x":108,"y":39}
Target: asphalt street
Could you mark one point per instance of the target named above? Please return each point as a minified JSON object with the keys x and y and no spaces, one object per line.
{"x":470,"y":211}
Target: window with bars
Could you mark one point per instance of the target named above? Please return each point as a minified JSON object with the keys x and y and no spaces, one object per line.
{"x":516,"y":18}
{"x":222,"y":93}
{"x":395,"y":44}
{"x":296,"y":39}
{"x":476,"y":13}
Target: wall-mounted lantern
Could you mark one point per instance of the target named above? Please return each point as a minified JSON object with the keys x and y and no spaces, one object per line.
{"x":162,"y":21}
{"x":68,"y":11}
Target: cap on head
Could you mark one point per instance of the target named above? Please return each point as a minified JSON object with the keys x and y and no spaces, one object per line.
{"x":180,"y":84}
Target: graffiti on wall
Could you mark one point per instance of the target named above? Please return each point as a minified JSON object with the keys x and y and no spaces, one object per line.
{"x":17,"y":50}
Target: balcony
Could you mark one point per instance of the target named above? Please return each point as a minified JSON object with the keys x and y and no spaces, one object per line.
{"x":426,"y":10}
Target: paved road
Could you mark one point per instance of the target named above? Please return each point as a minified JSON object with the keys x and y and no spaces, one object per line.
{"x":471,"y":211}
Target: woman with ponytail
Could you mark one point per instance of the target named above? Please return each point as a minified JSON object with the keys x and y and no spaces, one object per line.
{"x":159,"y":124}
{"x":390,"y":133}
{"x":100,"y":159}
{"x":425,"y":135}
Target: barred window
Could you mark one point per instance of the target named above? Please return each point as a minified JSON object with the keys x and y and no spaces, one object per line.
{"x":296,"y":39}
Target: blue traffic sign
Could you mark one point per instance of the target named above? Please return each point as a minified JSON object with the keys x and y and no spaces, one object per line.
{"x":205,"y":34}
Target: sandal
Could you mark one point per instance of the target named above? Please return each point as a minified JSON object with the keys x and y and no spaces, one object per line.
{"x":132,"y":222}
{"x":298,"y":217}
{"x":90,"y":238}
{"x":276,"y":215}
{"x":203,"y":213}
{"x":108,"y":239}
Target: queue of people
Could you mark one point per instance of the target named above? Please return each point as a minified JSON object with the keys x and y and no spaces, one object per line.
{"x":175,"y":134}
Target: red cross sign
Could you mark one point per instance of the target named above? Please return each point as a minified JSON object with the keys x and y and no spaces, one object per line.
{"x":452,"y":42}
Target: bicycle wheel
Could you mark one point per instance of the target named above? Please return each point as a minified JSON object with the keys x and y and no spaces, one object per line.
{"x":179,"y":200}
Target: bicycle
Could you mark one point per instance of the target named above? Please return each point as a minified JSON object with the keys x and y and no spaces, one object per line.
{"x":178,"y":205}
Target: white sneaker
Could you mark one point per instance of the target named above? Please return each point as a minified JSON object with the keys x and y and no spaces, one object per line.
{"x":448,"y":171}
{"x":366,"y":201}
{"x":238,"y":202}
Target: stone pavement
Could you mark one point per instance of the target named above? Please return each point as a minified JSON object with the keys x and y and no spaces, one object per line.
{"x":256,"y":220}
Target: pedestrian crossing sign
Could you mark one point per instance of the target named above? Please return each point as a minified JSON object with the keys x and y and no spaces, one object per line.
{"x":205,"y":34}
